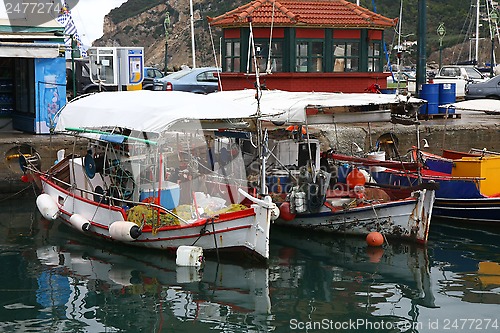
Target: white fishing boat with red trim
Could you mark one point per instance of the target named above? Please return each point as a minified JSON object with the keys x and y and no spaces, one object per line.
{"x":141,"y":171}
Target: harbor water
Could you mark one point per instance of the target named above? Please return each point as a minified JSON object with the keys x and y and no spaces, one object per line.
{"x":55,"y":279}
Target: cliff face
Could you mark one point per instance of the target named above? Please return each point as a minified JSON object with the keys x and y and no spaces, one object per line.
{"x":146,"y":29}
{"x":141,"y":23}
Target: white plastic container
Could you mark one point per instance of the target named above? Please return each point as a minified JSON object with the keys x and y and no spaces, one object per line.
{"x":189,"y":256}
{"x":377,"y":156}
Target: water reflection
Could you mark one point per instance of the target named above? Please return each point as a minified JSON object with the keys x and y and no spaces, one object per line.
{"x":55,"y":279}
{"x":320,"y":277}
{"x":468,"y":262}
{"x":63,"y":281}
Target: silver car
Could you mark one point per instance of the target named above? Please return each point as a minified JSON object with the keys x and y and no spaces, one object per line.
{"x":202,"y":80}
{"x":487,"y":89}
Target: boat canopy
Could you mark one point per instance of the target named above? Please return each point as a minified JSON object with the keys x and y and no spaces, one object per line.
{"x":147,"y":111}
{"x":291,"y":107}
{"x":155,"y":112}
{"x":483,"y":105}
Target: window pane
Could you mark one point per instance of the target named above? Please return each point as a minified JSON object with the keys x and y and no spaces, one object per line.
{"x":277,"y":49}
{"x":236,"y":65}
{"x":301,"y":65}
{"x":317,"y":48}
{"x":302,"y":49}
{"x":228,"y":66}
{"x":236,"y":49}
{"x":339,"y":50}
{"x":352,"y":50}
{"x":229,"y":51}
{"x":352,"y":65}
{"x":317,"y":64}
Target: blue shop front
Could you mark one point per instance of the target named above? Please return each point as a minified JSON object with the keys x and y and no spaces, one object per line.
{"x":32,"y":77}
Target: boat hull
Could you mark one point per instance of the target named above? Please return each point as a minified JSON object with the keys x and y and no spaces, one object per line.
{"x":242,"y":233}
{"x":407,"y":219}
{"x":480,"y":210}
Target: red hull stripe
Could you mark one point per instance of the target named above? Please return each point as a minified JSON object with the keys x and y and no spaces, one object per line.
{"x":93,"y":203}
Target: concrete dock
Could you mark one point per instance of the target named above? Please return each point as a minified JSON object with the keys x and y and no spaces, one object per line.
{"x":471,"y":130}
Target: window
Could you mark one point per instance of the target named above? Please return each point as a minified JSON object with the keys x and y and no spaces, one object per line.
{"x":374,"y":57}
{"x":274,"y":60}
{"x":232,"y":58}
{"x":209,"y":76}
{"x":309,"y":56}
{"x":346,"y":57}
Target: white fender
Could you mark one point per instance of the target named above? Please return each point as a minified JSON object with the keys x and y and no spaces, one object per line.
{"x":47,"y":206}
{"x":124,"y":231}
{"x":79,"y":222}
{"x":275,"y":213}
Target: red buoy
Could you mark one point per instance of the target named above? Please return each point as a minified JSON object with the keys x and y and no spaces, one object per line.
{"x":375,"y":238}
{"x":355,"y":178}
{"x":285,"y":213}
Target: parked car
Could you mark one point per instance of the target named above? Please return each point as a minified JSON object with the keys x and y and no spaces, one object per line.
{"x":486,"y":89}
{"x":202,"y":80}
{"x":151,"y":77}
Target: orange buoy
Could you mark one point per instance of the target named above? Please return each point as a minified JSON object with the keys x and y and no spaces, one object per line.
{"x":355,"y":178}
{"x":375,"y":238}
{"x":285,"y":212}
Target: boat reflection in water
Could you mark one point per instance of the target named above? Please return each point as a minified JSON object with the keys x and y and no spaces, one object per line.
{"x":319,"y":277}
{"x":143,"y":288}
{"x":467,"y":262}
{"x":54,"y":280}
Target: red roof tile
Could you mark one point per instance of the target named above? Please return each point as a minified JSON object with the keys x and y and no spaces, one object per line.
{"x":325,"y":13}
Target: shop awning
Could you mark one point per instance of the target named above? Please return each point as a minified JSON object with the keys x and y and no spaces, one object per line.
{"x":29,"y":50}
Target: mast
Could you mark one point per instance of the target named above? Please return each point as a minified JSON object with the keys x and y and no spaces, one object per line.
{"x":477,"y":32}
{"x":399,"y":44}
{"x":192,"y":31}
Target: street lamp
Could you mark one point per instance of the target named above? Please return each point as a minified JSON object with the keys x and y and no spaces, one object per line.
{"x":73,"y":50}
{"x":493,"y":24}
{"x":166,"y":26}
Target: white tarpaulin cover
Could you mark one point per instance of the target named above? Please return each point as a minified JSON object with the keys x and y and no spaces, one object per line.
{"x":289,"y":107}
{"x":146,"y":111}
{"x":486,"y":105}
{"x":154,"y":111}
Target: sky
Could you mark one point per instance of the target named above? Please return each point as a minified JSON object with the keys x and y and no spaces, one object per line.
{"x":88,"y":16}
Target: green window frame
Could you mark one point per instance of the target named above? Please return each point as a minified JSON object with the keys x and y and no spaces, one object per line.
{"x":309,"y":56}
{"x":232,"y":56}
{"x":375,"y":56}
{"x":262,"y":55}
{"x":346,"y":56}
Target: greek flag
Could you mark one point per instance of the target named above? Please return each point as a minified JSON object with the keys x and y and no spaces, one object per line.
{"x":65,"y":19}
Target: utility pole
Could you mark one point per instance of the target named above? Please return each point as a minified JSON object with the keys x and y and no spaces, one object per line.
{"x":421,"y":50}
{"x":493,"y":27}
{"x":166,"y":25}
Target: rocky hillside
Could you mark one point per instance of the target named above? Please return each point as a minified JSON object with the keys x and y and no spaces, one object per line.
{"x":141,"y":23}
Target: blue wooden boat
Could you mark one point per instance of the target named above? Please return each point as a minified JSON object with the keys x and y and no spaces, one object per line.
{"x":469,"y":185}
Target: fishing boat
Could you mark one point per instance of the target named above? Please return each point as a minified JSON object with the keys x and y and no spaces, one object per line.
{"x":468,"y":183}
{"x":140,"y":175}
{"x":307,"y":194}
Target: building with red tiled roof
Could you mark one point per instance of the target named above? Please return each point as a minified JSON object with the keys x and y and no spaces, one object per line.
{"x":314,"y":45}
